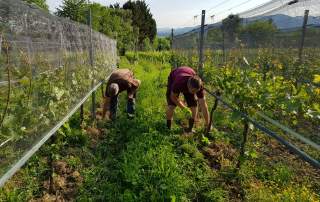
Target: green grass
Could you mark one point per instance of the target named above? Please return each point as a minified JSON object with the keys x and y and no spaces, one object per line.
{"x":140,"y":160}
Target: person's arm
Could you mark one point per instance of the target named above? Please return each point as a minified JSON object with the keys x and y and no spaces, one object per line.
{"x":106,"y":106}
{"x":204,"y":109}
{"x":175,"y":99}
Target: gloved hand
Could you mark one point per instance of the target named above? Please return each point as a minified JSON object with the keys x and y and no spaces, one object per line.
{"x":187,"y":112}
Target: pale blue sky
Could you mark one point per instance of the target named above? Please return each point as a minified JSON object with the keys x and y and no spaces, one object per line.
{"x":180,"y":13}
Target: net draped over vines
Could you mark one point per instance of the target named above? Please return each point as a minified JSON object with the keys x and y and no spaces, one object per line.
{"x":274,"y":57}
{"x":45,"y":72}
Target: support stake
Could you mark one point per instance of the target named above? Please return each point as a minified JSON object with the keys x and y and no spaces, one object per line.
{"x":244,"y":141}
{"x":215,"y":106}
{"x":81,"y":114}
{"x":201,"y":57}
{"x":91,"y":57}
{"x":303,"y":35}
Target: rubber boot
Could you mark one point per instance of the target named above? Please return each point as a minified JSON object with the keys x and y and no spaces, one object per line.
{"x":113,"y":108}
{"x":131,"y":108}
{"x":191,"y":123}
{"x":169,"y":123}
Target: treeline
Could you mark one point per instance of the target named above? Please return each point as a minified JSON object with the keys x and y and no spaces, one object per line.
{"x":132,"y":25}
{"x":234,"y":31}
{"x":254,"y":33}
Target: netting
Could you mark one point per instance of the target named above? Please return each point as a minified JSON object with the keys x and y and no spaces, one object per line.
{"x":275,"y":27}
{"x":265,"y":61}
{"x":45,"y":72}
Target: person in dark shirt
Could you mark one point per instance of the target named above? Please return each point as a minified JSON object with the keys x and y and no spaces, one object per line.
{"x":185,"y":80}
{"x":119,"y":81}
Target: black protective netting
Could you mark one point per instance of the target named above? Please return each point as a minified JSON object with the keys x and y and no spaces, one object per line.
{"x":45,"y":71}
{"x":275,"y":27}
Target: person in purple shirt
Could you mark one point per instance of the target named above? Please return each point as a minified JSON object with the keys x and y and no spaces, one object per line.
{"x":185,"y":80}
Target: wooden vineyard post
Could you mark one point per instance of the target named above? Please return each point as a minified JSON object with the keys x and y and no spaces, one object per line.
{"x":303,"y":35}
{"x":223,"y":47}
{"x":244,"y":141}
{"x":91,"y":57}
{"x":172,"y":37}
{"x":201,"y":55}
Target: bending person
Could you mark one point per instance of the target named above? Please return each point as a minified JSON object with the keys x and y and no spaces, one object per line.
{"x":119,"y":81}
{"x":184,"y":80}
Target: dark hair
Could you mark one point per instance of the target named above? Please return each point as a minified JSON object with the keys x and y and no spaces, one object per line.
{"x":195,"y":82}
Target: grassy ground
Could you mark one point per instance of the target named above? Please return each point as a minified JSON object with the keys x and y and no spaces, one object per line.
{"x":140,"y":160}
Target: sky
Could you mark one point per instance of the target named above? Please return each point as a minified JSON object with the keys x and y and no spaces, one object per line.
{"x":181,"y":13}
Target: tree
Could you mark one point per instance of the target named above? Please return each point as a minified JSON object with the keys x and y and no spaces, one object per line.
{"x":259,"y":33}
{"x":75,"y":10}
{"x":147,"y":45}
{"x":143,"y":20}
{"x":115,"y":6}
{"x":116,"y":23}
{"x":161,"y":44}
{"x":113,"y":22}
{"x":41,"y":3}
{"x":231,"y":26}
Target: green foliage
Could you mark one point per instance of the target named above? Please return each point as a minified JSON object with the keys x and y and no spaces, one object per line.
{"x":154,"y":56}
{"x":76,"y":10}
{"x":113,"y":22}
{"x":143,"y":19}
{"x":116,"y":23}
{"x":205,"y":140}
{"x":258,"y":33}
{"x":73,"y":137}
{"x":153,"y":167}
{"x":216,"y":195}
{"x":161,"y":44}
{"x":231,"y":26}
{"x":215,"y":35}
{"x":41,"y":3}
{"x":282,"y":175}
{"x":147,"y":45}
{"x":140,"y":160}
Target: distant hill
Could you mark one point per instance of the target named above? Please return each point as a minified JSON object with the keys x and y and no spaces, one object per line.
{"x":288,"y":22}
{"x":164,"y":32}
{"x":281,"y":21}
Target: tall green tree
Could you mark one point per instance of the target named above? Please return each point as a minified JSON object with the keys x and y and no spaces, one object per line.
{"x":142,"y":18}
{"x":259,"y":33}
{"x":113,"y":22}
{"x":161,"y":44}
{"x":231,"y":26}
{"x":41,"y":3}
{"x":116,"y":23}
{"x":115,"y":6}
{"x":75,"y":10}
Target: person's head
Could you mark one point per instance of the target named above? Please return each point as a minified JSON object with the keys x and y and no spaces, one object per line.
{"x":194,"y":84}
{"x":136,"y":82}
{"x":113,"y":89}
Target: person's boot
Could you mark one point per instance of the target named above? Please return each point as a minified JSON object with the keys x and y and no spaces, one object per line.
{"x":191,"y":123}
{"x":169,"y":123}
{"x":113,"y":108}
{"x":131,"y":108}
